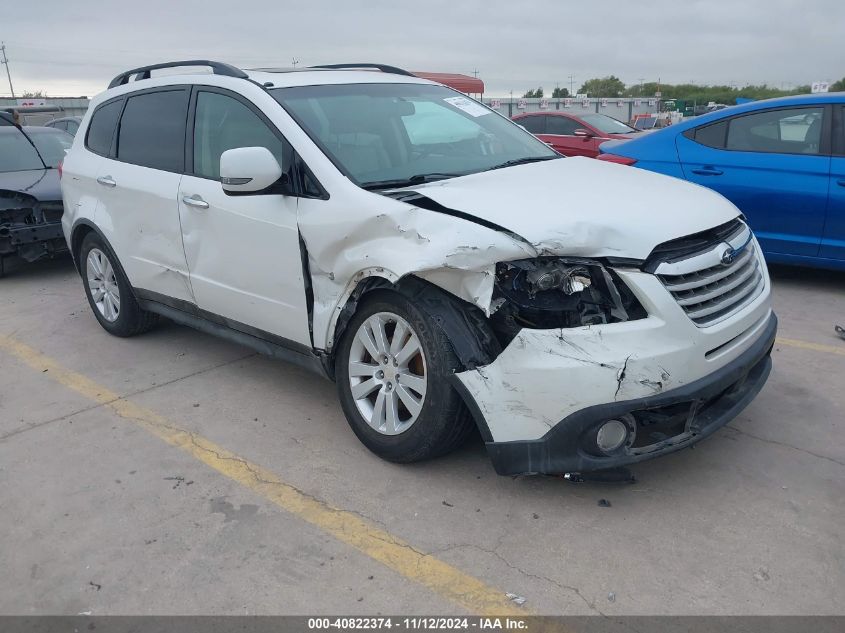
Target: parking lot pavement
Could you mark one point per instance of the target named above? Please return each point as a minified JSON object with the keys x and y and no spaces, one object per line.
{"x":177,"y":473}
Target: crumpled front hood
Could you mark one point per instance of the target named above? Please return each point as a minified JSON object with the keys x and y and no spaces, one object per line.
{"x":585,"y":207}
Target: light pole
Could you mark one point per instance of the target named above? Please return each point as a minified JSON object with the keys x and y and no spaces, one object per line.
{"x":5,"y":62}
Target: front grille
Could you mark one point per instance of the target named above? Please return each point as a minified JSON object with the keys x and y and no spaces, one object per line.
{"x":710,"y":291}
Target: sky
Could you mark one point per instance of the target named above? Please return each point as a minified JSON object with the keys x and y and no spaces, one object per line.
{"x":74,"y":47}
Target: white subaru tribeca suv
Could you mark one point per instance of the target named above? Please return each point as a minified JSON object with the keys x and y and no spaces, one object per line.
{"x":443,"y":266}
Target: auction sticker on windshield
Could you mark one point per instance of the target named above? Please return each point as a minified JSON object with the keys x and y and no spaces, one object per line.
{"x":470,"y":107}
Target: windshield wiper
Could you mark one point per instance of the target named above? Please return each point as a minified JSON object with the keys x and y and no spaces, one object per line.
{"x":416,"y":179}
{"x":522,"y":161}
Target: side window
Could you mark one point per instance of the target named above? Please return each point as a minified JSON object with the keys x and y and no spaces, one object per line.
{"x":59,"y":125}
{"x":534,"y":124}
{"x":712,"y":135}
{"x":101,"y":128}
{"x":72,"y":126}
{"x":222,"y":123}
{"x":152,"y":130}
{"x":786,"y":130}
{"x":562,"y":125}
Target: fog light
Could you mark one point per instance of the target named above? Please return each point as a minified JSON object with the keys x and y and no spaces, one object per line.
{"x":611,"y":435}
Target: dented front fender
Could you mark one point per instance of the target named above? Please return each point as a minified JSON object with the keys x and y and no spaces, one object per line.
{"x":344,"y":248}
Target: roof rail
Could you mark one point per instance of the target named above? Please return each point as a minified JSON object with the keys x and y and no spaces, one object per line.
{"x":382,"y":67}
{"x":219,"y":68}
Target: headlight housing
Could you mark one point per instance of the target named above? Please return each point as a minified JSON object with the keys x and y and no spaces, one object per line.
{"x":559,"y":292}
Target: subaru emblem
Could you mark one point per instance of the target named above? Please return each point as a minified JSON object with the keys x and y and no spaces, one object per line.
{"x":728,"y":257}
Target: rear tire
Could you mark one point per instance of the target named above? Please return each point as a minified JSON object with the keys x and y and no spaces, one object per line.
{"x":428,"y":418}
{"x":109,"y":292}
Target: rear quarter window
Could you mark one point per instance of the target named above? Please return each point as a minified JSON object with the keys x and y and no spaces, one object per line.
{"x":101,"y":128}
{"x":712,"y":135}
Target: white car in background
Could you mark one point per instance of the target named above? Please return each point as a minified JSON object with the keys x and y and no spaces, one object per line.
{"x":564,"y":306}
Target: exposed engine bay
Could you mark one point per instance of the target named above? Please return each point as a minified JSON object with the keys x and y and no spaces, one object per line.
{"x":28,"y":228}
{"x":556,"y":292}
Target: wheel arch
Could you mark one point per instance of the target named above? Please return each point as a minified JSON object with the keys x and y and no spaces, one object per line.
{"x":80,"y":229}
{"x":465,"y":325}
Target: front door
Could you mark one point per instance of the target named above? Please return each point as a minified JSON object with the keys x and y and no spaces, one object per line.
{"x":243,"y":251}
{"x":771,"y":164}
{"x":560,"y":134}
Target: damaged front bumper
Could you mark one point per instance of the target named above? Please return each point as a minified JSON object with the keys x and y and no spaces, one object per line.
{"x":29,"y":228}
{"x":540,"y":403}
{"x":697,"y":410}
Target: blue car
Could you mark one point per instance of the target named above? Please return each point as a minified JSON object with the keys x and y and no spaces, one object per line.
{"x":781,"y":161}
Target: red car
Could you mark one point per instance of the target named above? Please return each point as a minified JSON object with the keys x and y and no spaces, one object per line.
{"x":573,"y":135}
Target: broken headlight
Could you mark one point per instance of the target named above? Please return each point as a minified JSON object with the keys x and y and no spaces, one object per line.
{"x":555,"y":292}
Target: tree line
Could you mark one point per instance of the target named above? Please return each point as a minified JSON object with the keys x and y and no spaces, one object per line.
{"x":613,"y":87}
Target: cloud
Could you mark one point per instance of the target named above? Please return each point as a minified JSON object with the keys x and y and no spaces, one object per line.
{"x":76,"y":47}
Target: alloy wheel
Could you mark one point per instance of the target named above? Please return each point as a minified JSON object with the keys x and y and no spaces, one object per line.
{"x":387,"y":373}
{"x":102,"y":283}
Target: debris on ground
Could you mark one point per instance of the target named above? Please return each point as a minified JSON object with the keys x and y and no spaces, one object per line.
{"x":840,"y":331}
{"x":95,"y":585}
{"x":611,"y":597}
{"x":762,"y":574}
{"x":619,"y":475}
{"x":604,"y":503}
{"x":518,"y":600}
{"x":535,"y":515}
{"x":178,"y":479}
{"x":447,"y":504}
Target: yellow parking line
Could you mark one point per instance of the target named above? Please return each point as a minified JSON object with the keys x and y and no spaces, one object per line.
{"x":816,"y":347}
{"x":401,"y":557}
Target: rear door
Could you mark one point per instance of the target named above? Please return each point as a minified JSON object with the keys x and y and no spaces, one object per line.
{"x":774,"y":165}
{"x":137,"y":185}
{"x":833,"y":242}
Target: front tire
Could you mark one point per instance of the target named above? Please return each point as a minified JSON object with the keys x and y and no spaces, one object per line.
{"x":392,"y":371}
{"x":109,"y":293}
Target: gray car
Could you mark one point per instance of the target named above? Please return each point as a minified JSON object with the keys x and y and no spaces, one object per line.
{"x":69,"y":124}
{"x":30,"y":195}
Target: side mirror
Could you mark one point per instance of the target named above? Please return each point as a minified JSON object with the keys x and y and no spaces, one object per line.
{"x":248,"y":169}
{"x":586,"y":134}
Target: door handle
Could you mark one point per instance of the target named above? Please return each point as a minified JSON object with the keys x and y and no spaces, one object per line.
{"x":708,"y":171}
{"x":195,"y":201}
{"x":106,"y":181}
{"x":841,"y":182}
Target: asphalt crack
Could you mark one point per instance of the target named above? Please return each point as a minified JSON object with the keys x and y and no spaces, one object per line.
{"x":785,"y":445}
{"x":493,"y":552}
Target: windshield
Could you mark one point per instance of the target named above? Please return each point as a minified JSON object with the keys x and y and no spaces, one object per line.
{"x":16,"y":152}
{"x":52,"y":144}
{"x":387,"y":134}
{"x":607,"y":124}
